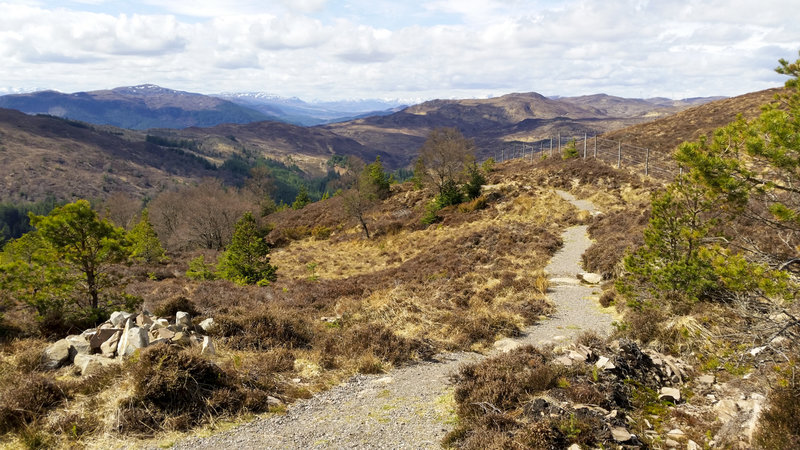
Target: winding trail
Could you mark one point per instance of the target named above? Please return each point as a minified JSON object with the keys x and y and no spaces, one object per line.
{"x":411,"y":406}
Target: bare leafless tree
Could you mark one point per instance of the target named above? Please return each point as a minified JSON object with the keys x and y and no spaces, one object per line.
{"x":199,"y":216}
{"x":445,"y":156}
{"x":121,"y":209}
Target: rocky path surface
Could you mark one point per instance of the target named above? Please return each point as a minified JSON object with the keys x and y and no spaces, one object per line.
{"x":411,"y":406}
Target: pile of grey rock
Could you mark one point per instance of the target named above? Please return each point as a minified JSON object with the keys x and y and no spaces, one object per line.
{"x":624,"y":360}
{"x":122,"y":335}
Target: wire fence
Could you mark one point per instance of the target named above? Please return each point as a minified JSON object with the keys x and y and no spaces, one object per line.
{"x":615,"y":153}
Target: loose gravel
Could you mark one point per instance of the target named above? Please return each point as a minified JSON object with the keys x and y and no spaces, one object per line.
{"x":412,"y":407}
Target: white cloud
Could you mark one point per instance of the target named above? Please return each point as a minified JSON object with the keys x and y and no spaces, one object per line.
{"x":437,"y":48}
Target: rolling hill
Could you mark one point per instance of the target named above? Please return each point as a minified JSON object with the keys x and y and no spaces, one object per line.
{"x":512,"y":118}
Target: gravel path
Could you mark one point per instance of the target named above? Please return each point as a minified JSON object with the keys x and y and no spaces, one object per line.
{"x":411,"y":407}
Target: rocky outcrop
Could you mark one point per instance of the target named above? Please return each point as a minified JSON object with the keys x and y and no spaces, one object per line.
{"x":122,"y":336}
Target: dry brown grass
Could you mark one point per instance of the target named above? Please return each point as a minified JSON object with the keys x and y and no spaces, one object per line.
{"x":411,"y":291}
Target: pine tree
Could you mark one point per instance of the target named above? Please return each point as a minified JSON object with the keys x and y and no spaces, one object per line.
{"x":245,"y":261}
{"x":83,"y":241}
{"x":302,"y":199}
{"x":376,"y":176}
{"x":475,"y":181}
{"x":145,"y":245}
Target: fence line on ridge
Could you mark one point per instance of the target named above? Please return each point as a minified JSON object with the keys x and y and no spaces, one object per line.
{"x":618,"y":154}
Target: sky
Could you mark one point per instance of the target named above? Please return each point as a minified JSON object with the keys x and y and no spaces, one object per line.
{"x":410,"y":50}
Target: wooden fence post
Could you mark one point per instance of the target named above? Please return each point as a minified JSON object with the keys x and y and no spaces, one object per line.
{"x":584,"y":145}
{"x":647,"y":162}
{"x":595,"y":146}
{"x":619,"y":155}
{"x":559,"y":143}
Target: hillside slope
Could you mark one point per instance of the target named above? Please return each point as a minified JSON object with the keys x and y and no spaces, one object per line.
{"x":663,"y":135}
{"x":41,"y":156}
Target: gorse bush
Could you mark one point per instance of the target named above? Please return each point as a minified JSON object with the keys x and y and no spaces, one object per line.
{"x":321,"y":232}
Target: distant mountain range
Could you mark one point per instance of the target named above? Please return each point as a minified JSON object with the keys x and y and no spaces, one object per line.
{"x":299,"y":112}
{"x":150,"y":106}
{"x":136,"y":107}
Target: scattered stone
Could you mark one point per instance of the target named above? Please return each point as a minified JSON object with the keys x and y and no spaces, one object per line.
{"x":109,"y":347}
{"x":670,"y":394}
{"x":180,"y":338}
{"x":100,"y":336}
{"x":195,"y":339}
{"x":675,"y":434}
{"x":692,"y":445}
{"x":118,"y":318}
{"x":58,"y":354}
{"x":159,"y":323}
{"x":164,"y":333}
{"x":133,"y":338}
{"x":80,"y":344}
{"x":593,"y":408}
{"x":157,"y":341}
{"x":564,"y":360}
{"x":143,"y":320}
{"x":87,"y":334}
{"x":89,"y":364}
{"x":726,"y":409}
{"x":757,"y":350}
{"x":620,"y":434}
{"x":574,"y":447}
{"x":707,"y":380}
{"x":183,"y":320}
{"x":331,"y":319}
{"x":273,"y":402}
{"x":206,"y":324}
{"x":207,"y":348}
{"x":591,"y":278}
{"x":576,"y":356}
{"x":671,"y":444}
{"x":506,"y":345}
{"x":604,"y":363}
{"x":384,"y":380}
{"x":585,"y":352}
